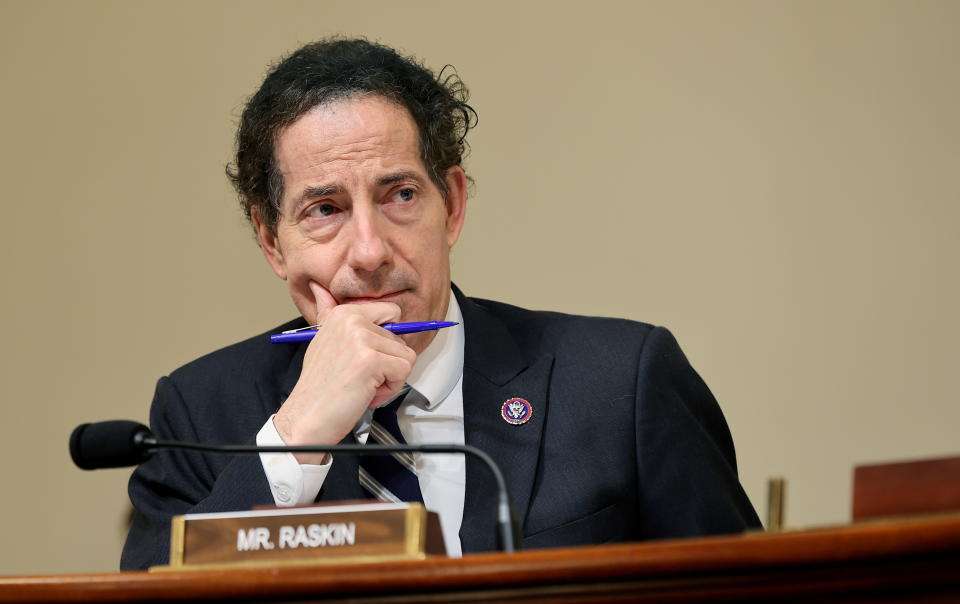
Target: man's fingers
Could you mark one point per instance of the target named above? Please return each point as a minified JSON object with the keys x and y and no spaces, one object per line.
{"x":395,"y":373}
{"x":372,"y":313}
{"x":385,"y":394}
{"x":385,"y":343}
{"x":394,"y":346}
{"x":350,"y":364}
{"x":324,"y":300}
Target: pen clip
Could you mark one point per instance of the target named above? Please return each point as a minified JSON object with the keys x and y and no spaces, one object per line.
{"x":301,"y":329}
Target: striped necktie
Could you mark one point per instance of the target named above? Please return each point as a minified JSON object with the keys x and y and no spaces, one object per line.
{"x":390,"y":477}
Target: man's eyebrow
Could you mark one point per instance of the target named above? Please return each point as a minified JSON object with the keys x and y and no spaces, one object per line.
{"x":392,"y":179}
{"x":323,"y":191}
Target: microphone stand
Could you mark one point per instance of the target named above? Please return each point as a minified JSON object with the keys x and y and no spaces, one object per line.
{"x":506,"y":533}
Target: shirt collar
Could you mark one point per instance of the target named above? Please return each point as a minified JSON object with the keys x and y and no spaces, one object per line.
{"x":438,"y":368}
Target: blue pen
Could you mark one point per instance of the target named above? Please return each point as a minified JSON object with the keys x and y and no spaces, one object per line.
{"x":305,"y":334}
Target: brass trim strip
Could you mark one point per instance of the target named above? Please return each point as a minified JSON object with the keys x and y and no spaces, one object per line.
{"x":178,"y":527}
{"x":415,"y":530}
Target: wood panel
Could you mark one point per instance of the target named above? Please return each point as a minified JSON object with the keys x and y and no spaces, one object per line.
{"x":905,"y":561}
{"x":905,"y":488}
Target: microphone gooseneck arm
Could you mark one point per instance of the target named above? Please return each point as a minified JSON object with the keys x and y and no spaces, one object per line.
{"x":506,"y":524}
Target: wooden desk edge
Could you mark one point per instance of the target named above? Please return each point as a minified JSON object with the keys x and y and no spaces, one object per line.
{"x":920,"y":538}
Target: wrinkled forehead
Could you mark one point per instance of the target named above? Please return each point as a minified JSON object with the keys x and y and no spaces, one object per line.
{"x":355,"y":133}
{"x":351,"y":111}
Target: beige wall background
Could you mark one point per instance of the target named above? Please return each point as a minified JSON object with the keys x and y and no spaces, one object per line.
{"x":777,"y":182}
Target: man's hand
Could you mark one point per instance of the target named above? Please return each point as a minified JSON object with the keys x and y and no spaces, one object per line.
{"x":351,"y":364}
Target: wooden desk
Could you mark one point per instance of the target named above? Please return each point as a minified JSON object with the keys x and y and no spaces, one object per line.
{"x":903,"y":561}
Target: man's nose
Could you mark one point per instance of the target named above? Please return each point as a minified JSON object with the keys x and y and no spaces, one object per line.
{"x":369,"y":247}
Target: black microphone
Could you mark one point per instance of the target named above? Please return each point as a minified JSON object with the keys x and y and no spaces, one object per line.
{"x":114,"y":444}
{"x":121,"y":443}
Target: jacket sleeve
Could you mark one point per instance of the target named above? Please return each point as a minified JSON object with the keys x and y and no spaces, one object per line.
{"x":687,"y":467}
{"x":180,"y":482}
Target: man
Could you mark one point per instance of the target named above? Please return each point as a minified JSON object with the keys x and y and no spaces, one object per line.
{"x":349,"y":167}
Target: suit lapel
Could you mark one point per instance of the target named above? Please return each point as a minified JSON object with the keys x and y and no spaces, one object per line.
{"x":495,"y":371}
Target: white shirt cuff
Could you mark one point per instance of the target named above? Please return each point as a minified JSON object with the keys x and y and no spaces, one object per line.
{"x":291,"y":482}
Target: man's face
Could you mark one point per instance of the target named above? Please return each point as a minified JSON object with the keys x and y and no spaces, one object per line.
{"x":360,"y":216}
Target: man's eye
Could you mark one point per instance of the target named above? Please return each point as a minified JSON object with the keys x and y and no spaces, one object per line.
{"x":322,"y":210}
{"x":406,"y":194}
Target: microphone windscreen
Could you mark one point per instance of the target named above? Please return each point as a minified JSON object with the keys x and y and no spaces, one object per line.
{"x":112,"y":444}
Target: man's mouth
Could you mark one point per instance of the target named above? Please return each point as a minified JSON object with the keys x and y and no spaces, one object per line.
{"x":372,"y":297}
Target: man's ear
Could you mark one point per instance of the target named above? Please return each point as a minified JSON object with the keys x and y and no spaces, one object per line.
{"x":269,"y":244}
{"x":456,"y":203}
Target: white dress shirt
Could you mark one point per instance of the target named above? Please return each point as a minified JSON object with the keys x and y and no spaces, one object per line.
{"x":436,"y":418}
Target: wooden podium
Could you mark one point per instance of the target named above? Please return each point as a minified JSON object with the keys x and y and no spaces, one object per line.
{"x":914,"y":560}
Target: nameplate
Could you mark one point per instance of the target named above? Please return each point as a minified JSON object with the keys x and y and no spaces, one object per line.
{"x":304,"y":535}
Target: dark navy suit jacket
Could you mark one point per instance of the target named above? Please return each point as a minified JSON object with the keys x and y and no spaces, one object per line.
{"x":625,"y":441}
